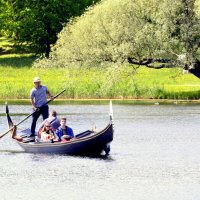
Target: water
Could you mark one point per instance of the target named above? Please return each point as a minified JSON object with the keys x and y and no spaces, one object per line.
{"x":154,"y":156}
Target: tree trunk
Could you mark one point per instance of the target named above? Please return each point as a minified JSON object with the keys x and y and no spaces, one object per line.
{"x":196,"y":69}
{"x":48,"y":48}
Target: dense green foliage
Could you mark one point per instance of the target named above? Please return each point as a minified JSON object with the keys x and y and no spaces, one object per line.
{"x":138,"y":32}
{"x":37,"y":22}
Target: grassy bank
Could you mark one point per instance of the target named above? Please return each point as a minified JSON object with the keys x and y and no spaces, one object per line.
{"x":16,"y":76}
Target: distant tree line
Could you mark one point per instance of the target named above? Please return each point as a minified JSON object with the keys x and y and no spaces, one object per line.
{"x":36,"y":23}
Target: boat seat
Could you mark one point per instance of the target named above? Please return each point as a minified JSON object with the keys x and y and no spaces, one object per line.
{"x":83,"y":134}
{"x":24,"y":133}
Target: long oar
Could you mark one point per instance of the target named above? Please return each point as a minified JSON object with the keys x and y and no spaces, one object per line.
{"x":31,"y":114}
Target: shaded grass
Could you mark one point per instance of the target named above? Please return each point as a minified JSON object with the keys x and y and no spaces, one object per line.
{"x":8,"y":46}
{"x":17,"y":60}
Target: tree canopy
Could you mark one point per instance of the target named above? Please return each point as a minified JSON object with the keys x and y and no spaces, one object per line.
{"x":152,"y":33}
{"x":37,"y":23}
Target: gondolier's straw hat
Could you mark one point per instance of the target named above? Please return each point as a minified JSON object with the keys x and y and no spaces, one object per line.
{"x":36,"y":80}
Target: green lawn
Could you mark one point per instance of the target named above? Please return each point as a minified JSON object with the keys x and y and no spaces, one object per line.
{"x":16,"y":75}
{"x":169,"y":83}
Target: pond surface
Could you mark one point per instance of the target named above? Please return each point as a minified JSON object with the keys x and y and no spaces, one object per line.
{"x":155,"y":155}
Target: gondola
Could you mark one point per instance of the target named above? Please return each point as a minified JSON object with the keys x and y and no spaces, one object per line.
{"x":89,"y":142}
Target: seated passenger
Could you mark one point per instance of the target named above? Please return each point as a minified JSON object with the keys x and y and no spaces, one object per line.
{"x":47,"y":134}
{"x":64,"y":132}
{"x":52,"y":119}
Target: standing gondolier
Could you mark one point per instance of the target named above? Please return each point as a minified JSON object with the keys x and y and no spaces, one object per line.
{"x":38,"y":96}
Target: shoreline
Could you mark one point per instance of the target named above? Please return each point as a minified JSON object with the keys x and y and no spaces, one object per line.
{"x":105,"y":101}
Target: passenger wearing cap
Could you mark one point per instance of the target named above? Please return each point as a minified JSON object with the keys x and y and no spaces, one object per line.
{"x":38,"y":96}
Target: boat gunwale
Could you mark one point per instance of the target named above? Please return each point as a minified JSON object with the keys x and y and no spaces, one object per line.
{"x":66,"y":143}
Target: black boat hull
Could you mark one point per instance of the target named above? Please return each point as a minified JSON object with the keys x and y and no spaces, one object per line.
{"x":93,"y":144}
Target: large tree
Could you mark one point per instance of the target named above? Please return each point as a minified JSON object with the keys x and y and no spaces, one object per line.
{"x":37,"y":22}
{"x":152,"y":33}
{"x":3,"y":12}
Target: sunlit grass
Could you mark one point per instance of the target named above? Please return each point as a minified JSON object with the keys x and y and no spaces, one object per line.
{"x":16,"y":75}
